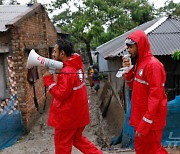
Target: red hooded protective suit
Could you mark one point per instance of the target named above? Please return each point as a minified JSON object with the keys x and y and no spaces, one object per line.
{"x":69,"y":107}
{"x":149,"y":101}
{"x":69,"y":112}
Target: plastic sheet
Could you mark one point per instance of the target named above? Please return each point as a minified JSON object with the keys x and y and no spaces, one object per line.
{"x":11,"y":127}
{"x":128,"y":130}
{"x":171,"y":133}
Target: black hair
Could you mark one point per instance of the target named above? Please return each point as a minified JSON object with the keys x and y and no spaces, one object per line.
{"x":66,"y":46}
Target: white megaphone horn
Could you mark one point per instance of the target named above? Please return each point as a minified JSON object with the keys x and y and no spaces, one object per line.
{"x":36,"y":60}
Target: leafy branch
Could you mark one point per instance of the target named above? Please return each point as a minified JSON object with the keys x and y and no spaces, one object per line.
{"x":176,"y":55}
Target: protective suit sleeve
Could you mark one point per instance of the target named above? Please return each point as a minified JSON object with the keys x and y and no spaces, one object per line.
{"x":62,"y":89}
{"x":129,"y":78}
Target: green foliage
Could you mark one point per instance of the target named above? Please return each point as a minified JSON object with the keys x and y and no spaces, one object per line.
{"x":176,"y":55}
{"x":102,"y":76}
{"x":8,"y":2}
{"x":33,"y":1}
{"x":140,"y":11}
{"x":89,"y":22}
{"x":13,"y":2}
{"x":170,"y":8}
{"x":97,"y":21}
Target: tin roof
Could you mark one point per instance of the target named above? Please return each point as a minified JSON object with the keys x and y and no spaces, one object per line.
{"x":10,"y":14}
{"x":163,"y":34}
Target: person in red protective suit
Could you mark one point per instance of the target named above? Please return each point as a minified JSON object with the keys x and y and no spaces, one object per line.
{"x":69,"y":112}
{"x":149,"y":101}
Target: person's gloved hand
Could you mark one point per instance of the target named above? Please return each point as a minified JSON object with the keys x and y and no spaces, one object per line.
{"x":52,"y":71}
{"x":123,"y":70}
{"x":49,"y":72}
{"x":127,"y":66}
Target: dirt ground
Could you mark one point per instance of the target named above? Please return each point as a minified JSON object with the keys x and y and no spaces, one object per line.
{"x":40,"y":138}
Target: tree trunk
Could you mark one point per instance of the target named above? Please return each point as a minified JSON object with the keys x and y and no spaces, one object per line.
{"x":88,"y":50}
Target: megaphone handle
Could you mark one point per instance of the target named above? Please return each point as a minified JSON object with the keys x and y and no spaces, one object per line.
{"x":52,"y":70}
{"x":35,"y":99}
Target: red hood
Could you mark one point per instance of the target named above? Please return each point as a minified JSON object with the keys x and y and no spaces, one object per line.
{"x":142,"y":43}
{"x":74,"y":61}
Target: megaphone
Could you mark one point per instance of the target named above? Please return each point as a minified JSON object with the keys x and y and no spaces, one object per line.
{"x":36,"y":60}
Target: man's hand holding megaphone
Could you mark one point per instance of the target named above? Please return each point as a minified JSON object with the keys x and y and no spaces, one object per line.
{"x":36,"y":60}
